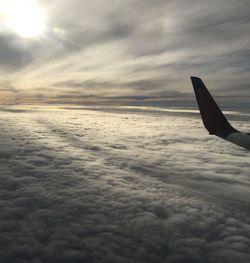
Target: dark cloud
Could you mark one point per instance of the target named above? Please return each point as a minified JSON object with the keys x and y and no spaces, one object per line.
{"x":13,"y":55}
{"x":123,"y":185}
{"x":149,"y":88}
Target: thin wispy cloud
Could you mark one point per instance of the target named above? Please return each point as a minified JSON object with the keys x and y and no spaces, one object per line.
{"x":130,"y":48}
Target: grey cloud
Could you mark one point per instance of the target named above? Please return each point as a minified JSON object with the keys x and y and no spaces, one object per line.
{"x":7,"y":87}
{"x":76,"y":38}
{"x":147,"y":47}
{"x":120,"y":184}
{"x":13,"y":55}
{"x":150,"y":87}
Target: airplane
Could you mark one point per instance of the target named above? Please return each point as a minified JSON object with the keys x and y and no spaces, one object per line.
{"x":213,"y":118}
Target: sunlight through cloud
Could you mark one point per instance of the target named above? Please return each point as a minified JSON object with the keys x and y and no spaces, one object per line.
{"x":24,"y":17}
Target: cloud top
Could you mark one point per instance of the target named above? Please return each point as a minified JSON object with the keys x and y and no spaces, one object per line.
{"x":120,"y":186}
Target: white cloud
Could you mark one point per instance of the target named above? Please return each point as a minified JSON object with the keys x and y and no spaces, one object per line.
{"x":120,"y":185}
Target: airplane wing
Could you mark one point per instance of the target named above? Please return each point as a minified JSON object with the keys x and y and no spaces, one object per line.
{"x":213,"y":118}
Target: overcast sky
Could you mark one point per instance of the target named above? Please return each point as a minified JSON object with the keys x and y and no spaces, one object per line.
{"x":123,"y":48}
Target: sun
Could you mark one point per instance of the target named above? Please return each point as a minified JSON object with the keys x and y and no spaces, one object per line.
{"x":24,"y":17}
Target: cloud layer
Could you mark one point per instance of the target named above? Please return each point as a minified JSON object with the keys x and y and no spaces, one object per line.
{"x":131,"y":48}
{"x":120,"y":185}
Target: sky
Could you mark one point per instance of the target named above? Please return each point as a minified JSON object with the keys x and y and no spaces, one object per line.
{"x":121,"y":50}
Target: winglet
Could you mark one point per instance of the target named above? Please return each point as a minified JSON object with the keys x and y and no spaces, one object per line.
{"x":213,"y":118}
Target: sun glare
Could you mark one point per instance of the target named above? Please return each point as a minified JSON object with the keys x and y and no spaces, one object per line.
{"x":24,"y":17}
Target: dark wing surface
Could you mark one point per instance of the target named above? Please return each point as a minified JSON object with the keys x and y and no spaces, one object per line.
{"x":213,"y":118}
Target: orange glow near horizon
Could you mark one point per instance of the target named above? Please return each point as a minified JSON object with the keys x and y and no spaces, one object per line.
{"x":7,"y":98}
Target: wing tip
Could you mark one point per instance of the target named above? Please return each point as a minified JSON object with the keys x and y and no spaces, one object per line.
{"x":194,"y":77}
{"x":196,"y":81}
{"x":212,"y":116}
